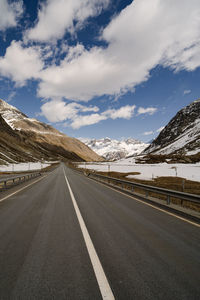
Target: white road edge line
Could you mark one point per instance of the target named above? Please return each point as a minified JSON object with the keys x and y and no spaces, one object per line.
{"x":148,"y":204}
{"x":22,"y":189}
{"x":104,"y":286}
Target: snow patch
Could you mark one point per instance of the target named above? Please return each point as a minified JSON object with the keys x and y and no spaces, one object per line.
{"x":114,"y":149}
{"x":187,"y":137}
{"x":24,"y":166}
{"x":147,"y":171}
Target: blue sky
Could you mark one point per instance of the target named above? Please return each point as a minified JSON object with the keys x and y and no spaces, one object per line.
{"x":100,"y":68}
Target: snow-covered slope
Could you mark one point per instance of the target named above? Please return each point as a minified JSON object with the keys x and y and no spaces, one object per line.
{"x":24,"y":139}
{"x":181,"y":135}
{"x":19,"y":121}
{"x":115,"y":149}
{"x":147,"y":171}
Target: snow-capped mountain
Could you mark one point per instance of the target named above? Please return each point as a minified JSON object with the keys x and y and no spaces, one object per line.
{"x":19,"y":121}
{"x":181,"y":135}
{"x":115,"y":149}
{"x":24,"y":139}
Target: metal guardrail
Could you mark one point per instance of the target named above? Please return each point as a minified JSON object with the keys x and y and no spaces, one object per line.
{"x":169,"y":193}
{"x":10,"y":181}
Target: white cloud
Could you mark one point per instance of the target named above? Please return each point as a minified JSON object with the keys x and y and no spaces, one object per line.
{"x":80,"y":76}
{"x":20,"y":64}
{"x":57,"y":16}
{"x":81,"y":121}
{"x":160,"y":129}
{"x":146,"y":33}
{"x":125,"y":112}
{"x":186,"y":92}
{"x":148,"y":133}
{"x":9,"y":13}
{"x":148,"y":110}
{"x":58,"y":111}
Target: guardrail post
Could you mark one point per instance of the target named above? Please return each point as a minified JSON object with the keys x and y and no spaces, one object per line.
{"x":147,"y":190}
{"x":183,"y":185}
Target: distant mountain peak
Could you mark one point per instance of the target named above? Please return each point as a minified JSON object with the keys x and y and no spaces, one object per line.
{"x":27,"y":139}
{"x":197,"y":100}
{"x":181,"y":135}
{"x":5,"y":105}
{"x":113,"y":149}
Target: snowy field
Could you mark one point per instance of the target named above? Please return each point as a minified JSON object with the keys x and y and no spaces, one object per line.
{"x":24,"y":166}
{"x":148,"y":171}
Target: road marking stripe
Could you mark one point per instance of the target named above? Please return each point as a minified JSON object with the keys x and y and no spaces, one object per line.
{"x":22,"y":189}
{"x":104,"y":286}
{"x":148,"y":204}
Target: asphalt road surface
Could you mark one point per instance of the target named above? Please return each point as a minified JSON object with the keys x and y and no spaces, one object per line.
{"x":69,"y":237}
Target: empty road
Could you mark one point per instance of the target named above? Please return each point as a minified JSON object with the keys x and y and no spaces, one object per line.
{"x":68,"y":237}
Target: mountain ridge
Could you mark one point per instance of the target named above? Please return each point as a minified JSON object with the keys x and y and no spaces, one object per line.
{"x":112,"y":149}
{"x":26,"y":139}
{"x":181,"y":136}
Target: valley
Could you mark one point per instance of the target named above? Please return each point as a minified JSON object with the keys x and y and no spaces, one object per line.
{"x":99,"y":150}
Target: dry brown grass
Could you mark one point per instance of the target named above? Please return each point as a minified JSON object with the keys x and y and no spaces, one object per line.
{"x":171,"y":158}
{"x":171,"y":183}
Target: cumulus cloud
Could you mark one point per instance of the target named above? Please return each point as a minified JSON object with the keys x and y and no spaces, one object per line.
{"x":125,"y":112}
{"x":57,"y":111}
{"x":20,"y":64}
{"x":9,"y":13}
{"x":81,"y":76}
{"x":81,"y":121}
{"x":145,"y":34}
{"x":148,"y":110}
{"x":55,"y":17}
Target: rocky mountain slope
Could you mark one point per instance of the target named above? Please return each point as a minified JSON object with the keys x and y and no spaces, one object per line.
{"x":182,"y":134}
{"x":24,"y":139}
{"x":115,"y":149}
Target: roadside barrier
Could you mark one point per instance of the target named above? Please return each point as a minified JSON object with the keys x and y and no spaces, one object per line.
{"x":131,"y":186}
{"x":6,"y":183}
